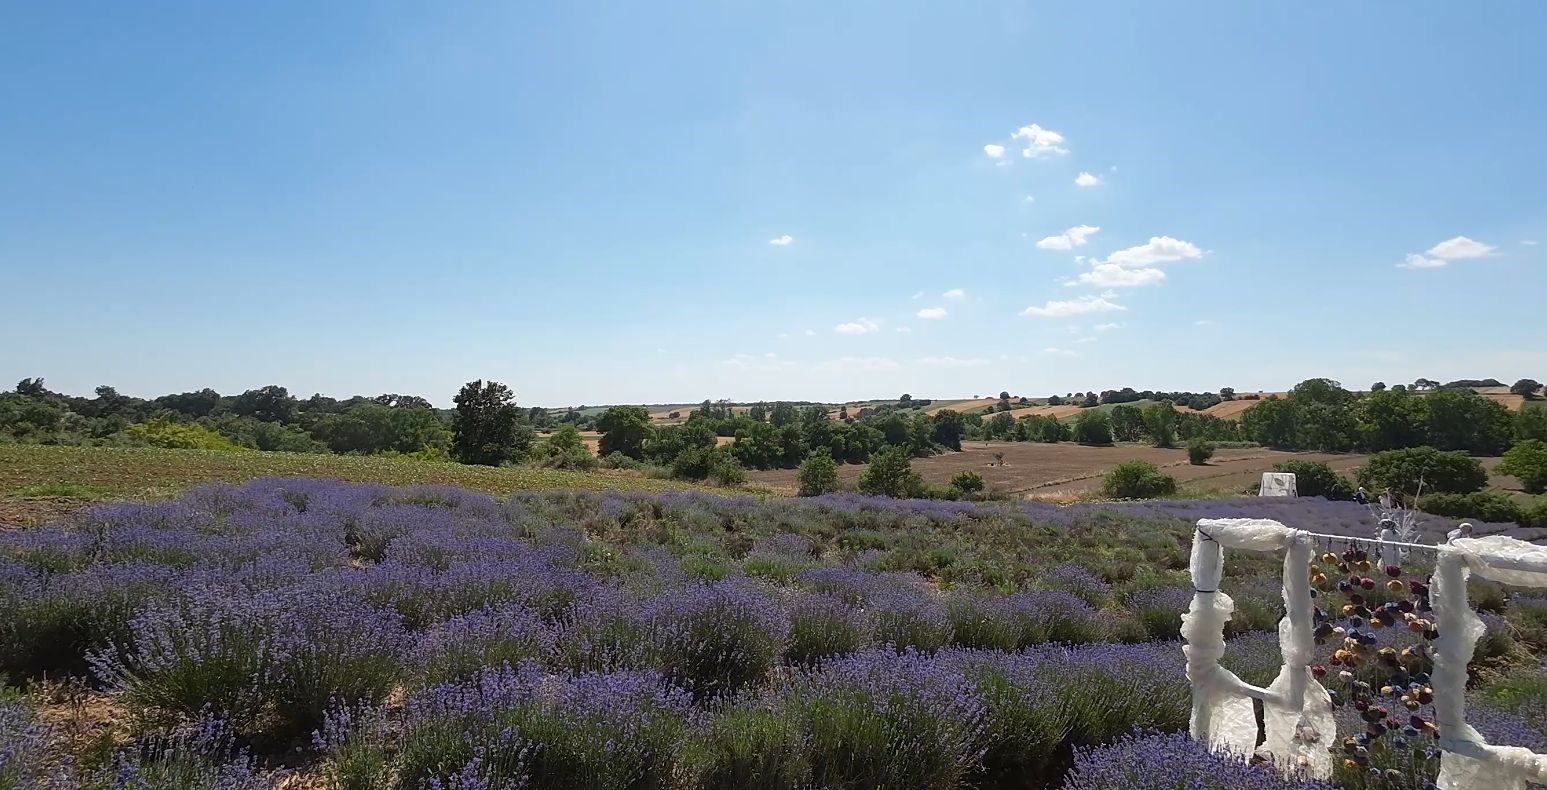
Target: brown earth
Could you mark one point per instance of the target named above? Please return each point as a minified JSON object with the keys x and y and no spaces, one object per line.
{"x":1067,"y":470}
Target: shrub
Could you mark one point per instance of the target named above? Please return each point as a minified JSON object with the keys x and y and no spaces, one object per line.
{"x":717,"y":638}
{"x":1440,"y":472}
{"x":1534,"y":514}
{"x":966,"y":484}
{"x":617,"y":460}
{"x":1527,"y":461}
{"x":1145,"y":761}
{"x":818,"y":474}
{"x":1489,"y":506}
{"x":891,"y":474}
{"x":202,"y":757}
{"x":1314,"y":478}
{"x":726,"y":472}
{"x":161,"y":432}
{"x":1093,"y":427}
{"x":1137,"y":480}
{"x":905,"y":618}
{"x":1199,"y":451}
{"x":753,"y":746}
{"x":460,"y":648}
{"x":822,"y":627}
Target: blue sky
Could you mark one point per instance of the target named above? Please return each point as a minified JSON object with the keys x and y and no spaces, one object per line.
{"x":583,"y":200}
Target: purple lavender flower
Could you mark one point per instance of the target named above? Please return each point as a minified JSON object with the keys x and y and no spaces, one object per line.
{"x":1172,"y":761}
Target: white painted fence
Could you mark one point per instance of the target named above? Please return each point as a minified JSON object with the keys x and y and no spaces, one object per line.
{"x":1298,"y":726}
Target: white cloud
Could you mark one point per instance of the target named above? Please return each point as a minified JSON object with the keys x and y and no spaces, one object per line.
{"x":1110,"y":275}
{"x":1039,"y":141}
{"x":1060,"y":352}
{"x":919,"y":295}
{"x":1107,"y":327}
{"x":1203,"y":322}
{"x":1085,"y":179}
{"x":810,"y":333}
{"x":1029,"y":199}
{"x":858,"y":364}
{"x":782,"y":241}
{"x":955,"y":293}
{"x":1159,"y":249}
{"x":932,"y":313}
{"x":1448,"y":251}
{"x":1069,"y":239}
{"x":1081,"y":306}
{"x":1529,"y":242}
{"x":903,"y":329}
{"x":993,"y":151}
{"x":861,"y":326}
{"x":1086,"y":339}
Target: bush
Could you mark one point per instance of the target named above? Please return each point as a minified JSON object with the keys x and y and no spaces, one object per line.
{"x":1093,"y":427}
{"x":1489,"y":506}
{"x":1199,"y":451}
{"x":1314,"y":478}
{"x":818,"y":474}
{"x":727,"y":472}
{"x":1137,"y":480}
{"x":891,"y":474}
{"x":161,"y":432}
{"x":1527,"y":461}
{"x":715,"y":639}
{"x":821,"y":627}
{"x":966,"y":483}
{"x":1438,"y":471}
{"x":617,"y":460}
{"x":1153,"y":762}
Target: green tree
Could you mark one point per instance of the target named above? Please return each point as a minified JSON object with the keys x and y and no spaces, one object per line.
{"x":29,"y":418}
{"x":566,"y":440}
{"x":1002,"y":426}
{"x":625,"y":429}
{"x":666,"y":443}
{"x":1090,"y":400}
{"x":1439,"y":472}
{"x":921,"y":435}
{"x":891,"y":474}
{"x":1527,"y":462}
{"x":1093,"y":427}
{"x":1323,"y":415}
{"x":194,"y":404}
{"x":1160,"y":421}
{"x":818,"y":474}
{"x":1460,"y":419}
{"x":1270,"y":423}
{"x":1526,"y":388}
{"x":487,"y":426}
{"x":1531,"y":423}
{"x":269,"y":404}
{"x":1127,"y":423}
{"x":1392,"y":419}
{"x":948,"y":429}
{"x":1137,"y":480}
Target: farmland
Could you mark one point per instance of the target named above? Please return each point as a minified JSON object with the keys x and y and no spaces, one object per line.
{"x":289,"y":633}
{"x":1069,"y":471}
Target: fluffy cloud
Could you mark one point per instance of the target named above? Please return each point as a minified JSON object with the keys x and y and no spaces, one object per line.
{"x":1039,"y":141}
{"x":1110,"y":275}
{"x":1159,"y":249}
{"x":1069,"y":239}
{"x":955,"y":293}
{"x":1085,"y":179}
{"x":993,"y":151}
{"x":862,"y":326}
{"x":1107,"y":327}
{"x":782,"y":241}
{"x":1069,"y":307}
{"x":932,"y":313}
{"x":1448,"y":251}
{"x":1529,"y":242}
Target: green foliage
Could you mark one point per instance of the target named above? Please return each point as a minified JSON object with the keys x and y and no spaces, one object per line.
{"x":368,"y":428}
{"x":1526,"y":388}
{"x":725,"y":471}
{"x":28,"y":418}
{"x":1490,"y":506}
{"x":1093,"y":427}
{"x":891,"y":474}
{"x":1440,"y":472}
{"x":966,"y":484}
{"x":268,"y":404}
{"x":487,"y":428}
{"x":1531,"y":423}
{"x":1137,"y":480}
{"x":625,"y":429}
{"x":566,"y":440}
{"x":1160,"y":420}
{"x":161,"y":432}
{"x":1314,"y":478}
{"x":1527,"y":462}
{"x":1199,"y":452}
{"x":947,"y":429}
{"x":818,"y":474}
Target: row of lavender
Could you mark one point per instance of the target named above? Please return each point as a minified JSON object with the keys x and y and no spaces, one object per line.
{"x":619,"y":641}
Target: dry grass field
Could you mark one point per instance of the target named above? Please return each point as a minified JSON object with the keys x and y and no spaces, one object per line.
{"x":1066,"y":471}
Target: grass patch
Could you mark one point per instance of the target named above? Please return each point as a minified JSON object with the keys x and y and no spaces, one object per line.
{"x":28,"y":470}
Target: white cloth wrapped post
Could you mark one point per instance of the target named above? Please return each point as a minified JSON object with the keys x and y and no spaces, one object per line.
{"x":1297,"y":712}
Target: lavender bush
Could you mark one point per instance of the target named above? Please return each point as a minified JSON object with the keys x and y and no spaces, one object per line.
{"x":1172,"y":762}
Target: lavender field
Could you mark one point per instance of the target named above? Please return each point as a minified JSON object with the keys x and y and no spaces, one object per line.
{"x":301,"y":633}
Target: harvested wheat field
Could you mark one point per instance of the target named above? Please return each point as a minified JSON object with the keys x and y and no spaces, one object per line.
{"x":1068,"y":470}
{"x":935,"y":407}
